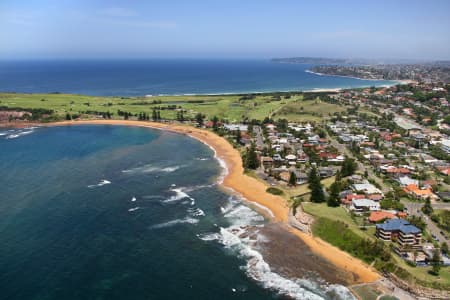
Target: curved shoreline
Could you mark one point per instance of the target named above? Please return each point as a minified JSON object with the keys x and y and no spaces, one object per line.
{"x":250,"y":188}
{"x":397,"y":81}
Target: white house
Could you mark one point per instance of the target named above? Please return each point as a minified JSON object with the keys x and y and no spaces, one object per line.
{"x":360,"y":205}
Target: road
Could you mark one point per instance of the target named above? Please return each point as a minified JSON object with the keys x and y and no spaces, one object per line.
{"x":414,"y":208}
{"x":259,"y":138}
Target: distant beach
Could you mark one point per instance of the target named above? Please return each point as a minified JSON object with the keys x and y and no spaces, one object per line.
{"x":394,"y":82}
{"x":253,"y":191}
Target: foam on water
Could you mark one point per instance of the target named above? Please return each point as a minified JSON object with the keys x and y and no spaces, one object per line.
{"x":18,"y":133}
{"x":202,"y":158}
{"x":134,"y":209}
{"x":152,"y":169}
{"x":186,"y":220}
{"x":101,"y":183}
{"x":241,"y":215}
{"x":196,"y":212}
{"x":262,"y":207}
{"x":133,"y":199}
{"x":179,"y":195}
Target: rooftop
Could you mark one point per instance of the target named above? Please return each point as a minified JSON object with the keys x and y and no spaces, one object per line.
{"x":399,"y":225}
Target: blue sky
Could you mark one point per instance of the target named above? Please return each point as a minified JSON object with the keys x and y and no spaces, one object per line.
{"x":227,"y":28}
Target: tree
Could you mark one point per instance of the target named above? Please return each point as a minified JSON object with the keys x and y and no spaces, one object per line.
{"x":215,"y":123}
{"x":250,"y":128}
{"x":251,"y":158}
{"x":427,"y":209}
{"x":199,"y":119}
{"x":444,"y":248}
{"x":436,"y":261}
{"x":154,"y":115}
{"x":292,"y":179}
{"x":317,"y":194}
{"x":238,"y":136}
{"x":348,"y":167}
{"x":333,"y":199}
{"x":68,"y":117}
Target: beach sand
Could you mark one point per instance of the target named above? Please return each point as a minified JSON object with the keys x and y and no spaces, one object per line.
{"x":254,"y":191}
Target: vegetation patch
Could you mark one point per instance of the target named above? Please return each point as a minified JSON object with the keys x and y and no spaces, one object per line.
{"x":274,"y":191}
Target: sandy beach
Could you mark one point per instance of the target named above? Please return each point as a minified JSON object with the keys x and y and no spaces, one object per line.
{"x":252,"y":190}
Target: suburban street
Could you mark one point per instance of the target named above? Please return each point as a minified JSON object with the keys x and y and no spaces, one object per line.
{"x":414,"y":208}
{"x":259,"y":137}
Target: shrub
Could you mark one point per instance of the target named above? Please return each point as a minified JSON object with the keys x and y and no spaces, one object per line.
{"x":274,"y":191}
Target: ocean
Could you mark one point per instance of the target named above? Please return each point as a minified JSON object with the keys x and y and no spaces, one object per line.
{"x":110,"y":212}
{"x":165,"y":77}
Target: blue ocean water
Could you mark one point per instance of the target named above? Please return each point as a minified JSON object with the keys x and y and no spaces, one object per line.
{"x":173,"y":77}
{"x":109,"y":212}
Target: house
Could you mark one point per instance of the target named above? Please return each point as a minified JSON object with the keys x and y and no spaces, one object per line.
{"x":325,"y":171}
{"x":301,"y":177}
{"x":378,"y":216}
{"x":400,"y":230}
{"x":271,"y":127}
{"x":405,"y":181}
{"x":235,"y":127}
{"x":366,"y":188}
{"x":397,"y":172}
{"x":361,"y":205}
{"x":301,"y":156}
{"x":349,"y":197}
{"x":418,"y":193}
{"x":291,"y":159}
{"x":285,"y":175}
{"x":267,"y":162}
{"x":445,"y":146}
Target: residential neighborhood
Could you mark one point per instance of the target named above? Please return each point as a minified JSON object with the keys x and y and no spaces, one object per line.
{"x":387,"y":156}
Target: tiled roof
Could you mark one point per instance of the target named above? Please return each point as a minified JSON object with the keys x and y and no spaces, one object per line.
{"x":398,"y":225}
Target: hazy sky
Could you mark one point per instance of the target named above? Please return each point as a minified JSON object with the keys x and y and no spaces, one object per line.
{"x":227,"y":28}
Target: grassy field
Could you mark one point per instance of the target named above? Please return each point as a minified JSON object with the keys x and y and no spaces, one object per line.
{"x":310,"y":110}
{"x":233,"y":108}
{"x":321,"y":210}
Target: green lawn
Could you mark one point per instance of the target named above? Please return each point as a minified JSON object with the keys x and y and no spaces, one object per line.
{"x":309,"y":110}
{"x":321,"y":210}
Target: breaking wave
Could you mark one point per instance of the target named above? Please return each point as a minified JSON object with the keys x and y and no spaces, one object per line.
{"x":101,"y":183}
{"x":180,"y":194}
{"x":186,"y":220}
{"x":13,"y":134}
{"x":196,"y":212}
{"x":152,"y":169}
